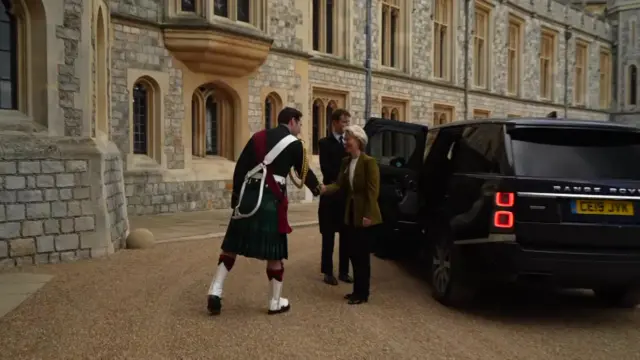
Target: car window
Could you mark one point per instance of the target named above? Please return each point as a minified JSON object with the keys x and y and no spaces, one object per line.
{"x":392,"y":148}
{"x":478,"y":150}
{"x":431,"y":138}
{"x":576,"y":153}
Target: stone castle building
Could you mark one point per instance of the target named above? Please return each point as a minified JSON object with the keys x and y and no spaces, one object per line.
{"x":127,"y":107}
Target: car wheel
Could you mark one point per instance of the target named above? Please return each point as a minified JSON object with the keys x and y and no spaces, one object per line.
{"x":620,"y":297}
{"x":445,"y":272}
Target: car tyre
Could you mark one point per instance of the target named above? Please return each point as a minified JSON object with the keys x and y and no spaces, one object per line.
{"x":447,"y":287}
{"x":619,"y":297}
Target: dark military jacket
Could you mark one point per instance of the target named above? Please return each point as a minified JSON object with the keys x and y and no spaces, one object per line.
{"x":291,"y":156}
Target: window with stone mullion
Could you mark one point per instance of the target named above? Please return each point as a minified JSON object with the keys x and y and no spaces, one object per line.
{"x":513,"y":59}
{"x":390,"y":34}
{"x":441,"y":18}
{"x":188,"y":5}
{"x":316,"y":118}
{"x":323,"y":24}
{"x":140,"y":119}
{"x":236,"y":10}
{"x":633,"y":85}
{"x":8,"y":58}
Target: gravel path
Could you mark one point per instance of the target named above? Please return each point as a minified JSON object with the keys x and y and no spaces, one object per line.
{"x":151,"y":305}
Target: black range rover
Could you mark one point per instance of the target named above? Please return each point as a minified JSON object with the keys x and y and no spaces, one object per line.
{"x":516,"y":200}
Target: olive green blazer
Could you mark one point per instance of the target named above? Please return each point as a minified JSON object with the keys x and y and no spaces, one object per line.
{"x":364,"y":193}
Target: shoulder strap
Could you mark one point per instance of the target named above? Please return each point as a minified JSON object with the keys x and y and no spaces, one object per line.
{"x":280,"y":146}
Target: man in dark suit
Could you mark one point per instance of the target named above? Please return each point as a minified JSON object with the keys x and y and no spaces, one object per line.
{"x":331,"y":209}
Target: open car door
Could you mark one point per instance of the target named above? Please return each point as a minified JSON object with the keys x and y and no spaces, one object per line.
{"x":398,"y":148}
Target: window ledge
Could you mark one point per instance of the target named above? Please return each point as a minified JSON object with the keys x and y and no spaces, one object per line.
{"x":212,"y":168}
{"x":480,"y":88}
{"x":16,"y":121}
{"x":391,"y":69}
{"x":316,"y":54}
{"x":441,"y":80}
{"x":142,"y":163}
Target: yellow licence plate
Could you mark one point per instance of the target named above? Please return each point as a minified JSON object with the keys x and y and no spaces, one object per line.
{"x":603,"y":207}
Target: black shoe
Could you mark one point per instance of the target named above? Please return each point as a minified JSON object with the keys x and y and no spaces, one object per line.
{"x":349,"y":296}
{"x":331,"y":280}
{"x":214,"y":305}
{"x":355,"y":300}
{"x":283,"y":309}
{"x":346,"y":278}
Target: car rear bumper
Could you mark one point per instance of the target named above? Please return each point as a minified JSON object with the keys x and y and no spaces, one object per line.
{"x":509,"y":261}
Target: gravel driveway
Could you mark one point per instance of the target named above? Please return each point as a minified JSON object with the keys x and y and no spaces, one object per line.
{"x":151,"y":305}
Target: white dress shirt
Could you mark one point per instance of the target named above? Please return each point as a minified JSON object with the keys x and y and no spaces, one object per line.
{"x":352,"y":169}
{"x":339,"y":137}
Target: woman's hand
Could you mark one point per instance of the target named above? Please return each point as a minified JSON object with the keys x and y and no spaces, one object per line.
{"x":366,"y":222}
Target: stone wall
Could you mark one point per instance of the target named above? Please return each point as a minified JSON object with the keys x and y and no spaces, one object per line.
{"x":69,"y":72}
{"x":148,"y":194}
{"x":116,"y":200}
{"x":628,"y":54}
{"x":140,"y":47}
{"x":52,"y":204}
{"x":150,"y":10}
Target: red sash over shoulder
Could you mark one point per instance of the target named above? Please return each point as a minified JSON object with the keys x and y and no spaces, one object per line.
{"x":260,"y":144}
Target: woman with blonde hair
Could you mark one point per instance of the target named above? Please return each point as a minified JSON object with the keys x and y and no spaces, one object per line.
{"x":359,"y":178}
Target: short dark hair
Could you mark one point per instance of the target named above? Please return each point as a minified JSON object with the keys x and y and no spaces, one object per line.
{"x":553,"y":115}
{"x":338,"y":113}
{"x":287,"y":114}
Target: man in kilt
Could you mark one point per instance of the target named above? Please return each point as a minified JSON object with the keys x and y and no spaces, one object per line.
{"x":258,"y":227}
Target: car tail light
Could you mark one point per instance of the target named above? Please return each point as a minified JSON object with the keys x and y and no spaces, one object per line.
{"x":505,"y":199}
{"x":503,"y":217}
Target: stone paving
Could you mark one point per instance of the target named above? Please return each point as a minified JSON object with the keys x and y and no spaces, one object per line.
{"x":17,"y":287}
{"x":210,"y":224}
{"x":150,"y":304}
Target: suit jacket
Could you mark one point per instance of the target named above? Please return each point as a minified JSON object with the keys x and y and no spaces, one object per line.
{"x":291,"y":156}
{"x":364,"y":192}
{"x":331,"y":206}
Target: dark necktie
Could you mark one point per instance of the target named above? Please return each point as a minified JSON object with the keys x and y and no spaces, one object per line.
{"x":341,"y":139}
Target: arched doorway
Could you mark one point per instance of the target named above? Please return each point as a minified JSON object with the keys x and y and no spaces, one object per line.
{"x":212,"y":121}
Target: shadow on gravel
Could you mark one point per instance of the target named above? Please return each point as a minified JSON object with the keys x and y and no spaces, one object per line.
{"x":535,"y":305}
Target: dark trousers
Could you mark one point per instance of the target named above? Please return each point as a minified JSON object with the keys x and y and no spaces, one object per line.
{"x":328,"y":244}
{"x":360,"y":256}
{"x":358,"y":239}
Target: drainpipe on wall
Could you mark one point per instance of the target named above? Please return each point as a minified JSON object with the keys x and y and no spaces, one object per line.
{"x":367,"y":62}
{"x":567,"y":37}
{"x":466,"y":59}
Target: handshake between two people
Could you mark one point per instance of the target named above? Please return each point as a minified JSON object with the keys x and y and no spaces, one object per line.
{"x":366,"y":222}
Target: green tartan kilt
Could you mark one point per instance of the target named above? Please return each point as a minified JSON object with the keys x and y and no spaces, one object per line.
{"x":256,"y":236}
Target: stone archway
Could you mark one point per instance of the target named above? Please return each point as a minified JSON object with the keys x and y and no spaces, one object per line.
{"x":213,"y":115}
